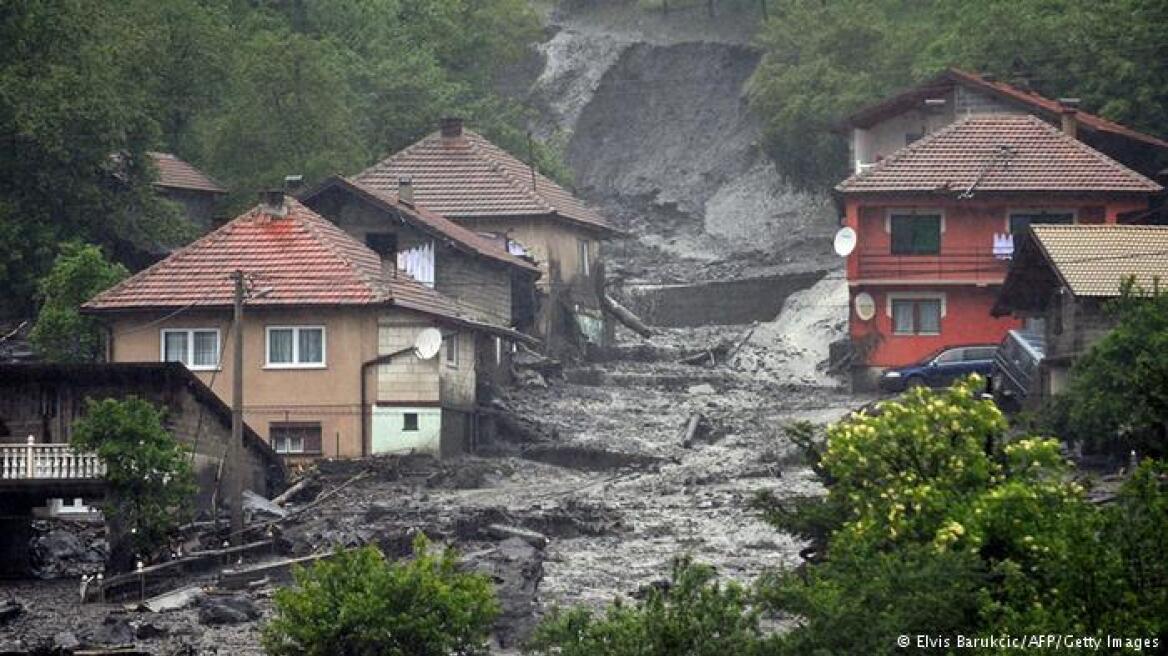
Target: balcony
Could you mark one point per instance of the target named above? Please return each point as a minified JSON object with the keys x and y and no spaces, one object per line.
{"x":47,"y":462}
{"x":972,"y":266}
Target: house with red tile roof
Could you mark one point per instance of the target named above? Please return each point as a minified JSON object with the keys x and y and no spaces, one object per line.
{"x":459,"y":174}
{"x":195,"y":191}
{"x":882,"y":128}
{"x":935,"y":223}
{"x":329,"y":368}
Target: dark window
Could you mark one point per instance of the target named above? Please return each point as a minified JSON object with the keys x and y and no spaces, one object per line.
{"x":382,"y":243}
{"x":950,"y":356}
{"x":296,"y":437}
{"x":410,"y":421}
{"x":1020,"y":220}
{"x":980,"y":353}
{"x":916,"y":317}
{"x":916,"y":234}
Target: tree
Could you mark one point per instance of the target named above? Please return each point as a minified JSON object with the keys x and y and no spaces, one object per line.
{"x":693,"y":614}
{"x":942,"y":526}
{"x":823,"y":60}
{"x":61,"y":333}
{"x":357,"y":603}
{"x":149,"y":481}
{"x":1117,"y":398}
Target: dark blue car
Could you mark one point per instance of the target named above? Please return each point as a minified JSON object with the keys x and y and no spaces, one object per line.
{"x":942,"y":368}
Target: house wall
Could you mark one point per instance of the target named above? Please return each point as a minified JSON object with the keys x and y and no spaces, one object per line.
{"x":47,"y":410}
{"x":328,"y":395}
{"x":965,"y":271}
{"x":965,"y":319}
{"x":198,"y":206}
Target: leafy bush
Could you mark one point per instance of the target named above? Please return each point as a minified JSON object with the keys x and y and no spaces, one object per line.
{"x":148,"y":474}
{"x":693,"y":615}
{"x":359,"y":604}
{"x":61,"y":333}
{"x":1117,"y":399}
{"x":941,"y":526}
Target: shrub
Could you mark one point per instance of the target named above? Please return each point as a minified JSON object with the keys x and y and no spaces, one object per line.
{"x":148,"y":474}
{"x":693,"y":615}
{"x":359,"y":604}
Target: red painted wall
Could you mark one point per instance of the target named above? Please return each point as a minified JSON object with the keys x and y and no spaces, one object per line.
{"x":966,"y":320}
{"x":965,"y":270}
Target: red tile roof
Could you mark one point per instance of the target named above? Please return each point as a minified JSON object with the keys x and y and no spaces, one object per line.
{"x":466,"y":176}
{"x":174,"y":173}
{"x":299,"y":259}
{"x":1047,"y":107}
{"x":998,"y":152}
{"x":425,"y":220}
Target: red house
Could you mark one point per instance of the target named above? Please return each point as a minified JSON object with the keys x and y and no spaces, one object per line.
{"x":934,"y":223}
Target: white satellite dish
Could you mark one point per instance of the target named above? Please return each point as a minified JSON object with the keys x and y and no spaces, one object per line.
{"x":845,"y":241}
{"x":865,"y":306}
{"x":427,"y":343}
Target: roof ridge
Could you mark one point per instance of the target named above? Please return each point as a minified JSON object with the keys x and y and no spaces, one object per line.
{"x":314,"y":223}
{"x":1088,"y":150}
{"x":533,"y":194}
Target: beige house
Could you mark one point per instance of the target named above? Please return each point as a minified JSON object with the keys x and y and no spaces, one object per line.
{"x":328,"y":334}
{"x":462,"y":176}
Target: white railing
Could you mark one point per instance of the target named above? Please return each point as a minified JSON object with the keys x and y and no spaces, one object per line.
{"x":34,"y":461}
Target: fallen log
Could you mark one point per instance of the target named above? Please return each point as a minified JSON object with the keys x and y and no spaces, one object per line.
{"x":173,"y":600}
{"x":284,"y":496}
{"x":699,"y":357}
{"x":623,"y":315}
{"x":502,"y":532}
{"x":691,"y":430}
{"x":240,"y":577}
{"x":742,"y":342}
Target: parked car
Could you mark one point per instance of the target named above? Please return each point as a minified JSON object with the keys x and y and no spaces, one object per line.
{"x":941,"y":368}
{"x":1016,"y":367}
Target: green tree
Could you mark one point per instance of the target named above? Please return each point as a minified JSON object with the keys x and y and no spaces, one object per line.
{"x":693,"y":614}
{"x":76,"y":128}
{"x":61,"y":333}
{"x":357,"y":603}
{"x":823,"y":60}
{"x":1117,"y":398}
{"x":148,"y":474}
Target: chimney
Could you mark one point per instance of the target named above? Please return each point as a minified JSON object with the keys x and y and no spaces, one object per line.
{"x":272,"y":202}
{"x":451,"y":127}
{"x":292,"y":183}
{"x":405,"y":190}
{"x":1070,"y":113}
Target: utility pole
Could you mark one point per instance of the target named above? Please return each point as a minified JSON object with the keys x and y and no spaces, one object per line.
{"x":235,"y":448}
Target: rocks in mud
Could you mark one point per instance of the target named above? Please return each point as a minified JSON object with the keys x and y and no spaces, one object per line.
{"x":115,"y":630}
{"x":69,"y":549}
{"x":233,"y":609}
{"x":516,"y":567}
{"x":66,"y":641}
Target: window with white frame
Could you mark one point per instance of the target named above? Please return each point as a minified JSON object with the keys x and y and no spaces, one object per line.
{"x":296,"y":346}
{"x":197,"y":348}
{"x":296,"y":437}
{"x":916,"y":315}
{"x":450,"y":346}
{"x":915,"y":234}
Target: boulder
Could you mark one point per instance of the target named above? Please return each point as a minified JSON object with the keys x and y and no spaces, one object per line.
{"x":233,"y":609}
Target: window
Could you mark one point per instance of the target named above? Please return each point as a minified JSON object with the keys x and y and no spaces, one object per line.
{"x":410,"y":421}
{"x":916,"y":234}
{"x":917,"y":316}
{"x":382,"y":243}
{"x":584,"y":248}
{"x":295,"y":437}
{"x":1019,"y":221}
{"x":949,"y":357}
{"x":295,"y":346}
{"x":980,"y":353}
{"x":196,"y":348}
{"x":451,"y":348}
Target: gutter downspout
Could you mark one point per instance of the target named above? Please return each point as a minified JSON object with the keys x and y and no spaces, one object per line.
{"x":381,"y":359}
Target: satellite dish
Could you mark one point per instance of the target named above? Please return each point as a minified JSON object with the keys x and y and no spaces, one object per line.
{"x":865,"y":306}
{"x":845,"y":241}
{"x":427,"y":343}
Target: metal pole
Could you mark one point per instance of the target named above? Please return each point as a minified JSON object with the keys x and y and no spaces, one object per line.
{"x":235,"y":448}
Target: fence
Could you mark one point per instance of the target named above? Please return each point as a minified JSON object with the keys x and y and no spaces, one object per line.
{"x":34,"y":461}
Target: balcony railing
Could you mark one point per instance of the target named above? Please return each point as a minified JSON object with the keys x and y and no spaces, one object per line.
{"x":971,"y":265}
{"x":34,"y":461}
